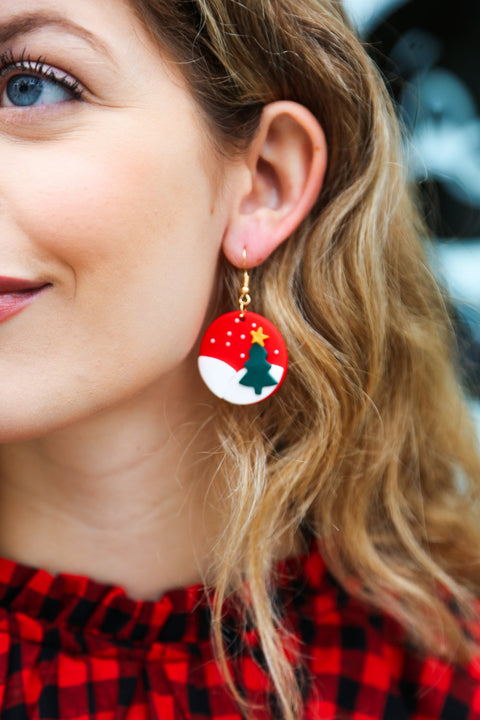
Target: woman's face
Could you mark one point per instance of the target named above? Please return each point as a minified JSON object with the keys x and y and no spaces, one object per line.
{"x":107,"y":198}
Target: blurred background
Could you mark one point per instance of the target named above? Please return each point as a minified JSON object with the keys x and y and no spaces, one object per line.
{"x":429,"y":55}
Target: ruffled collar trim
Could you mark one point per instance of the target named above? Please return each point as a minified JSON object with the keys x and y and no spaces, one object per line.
{"x":85,"y":606}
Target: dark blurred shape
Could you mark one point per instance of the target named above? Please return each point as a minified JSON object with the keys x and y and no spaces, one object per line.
{"x":429,"y":53}
{"x":466,"y":320}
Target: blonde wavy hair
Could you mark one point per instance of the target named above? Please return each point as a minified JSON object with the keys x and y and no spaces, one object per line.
{"x":369,"y":445}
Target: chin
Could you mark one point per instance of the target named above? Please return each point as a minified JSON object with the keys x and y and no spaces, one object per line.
{"x":31,"y":417}
{"x":29,"y":425}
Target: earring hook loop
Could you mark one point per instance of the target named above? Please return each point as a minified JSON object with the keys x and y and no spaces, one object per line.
{"x":245,"y":299}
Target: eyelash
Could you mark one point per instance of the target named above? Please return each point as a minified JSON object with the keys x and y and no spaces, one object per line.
{"x":40,"y":68}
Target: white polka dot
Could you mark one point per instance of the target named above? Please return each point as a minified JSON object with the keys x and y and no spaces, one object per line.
{"x":242,"y":355}
{"x":277,"y":352}
{"x":212,"y":341}
{"x":237,"y":320}
{"x":242,"y":337}
{"x":254,"y":324}
{"x":229,"y":333}
{"x":228,"y":344}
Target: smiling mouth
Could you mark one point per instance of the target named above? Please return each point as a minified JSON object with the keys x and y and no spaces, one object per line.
{"x":16,"y":294}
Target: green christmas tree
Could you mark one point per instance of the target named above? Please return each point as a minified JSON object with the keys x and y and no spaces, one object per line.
{"x":257,"y":375}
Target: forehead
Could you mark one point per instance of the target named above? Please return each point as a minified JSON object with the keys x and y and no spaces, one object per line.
{"x":99,"y":22}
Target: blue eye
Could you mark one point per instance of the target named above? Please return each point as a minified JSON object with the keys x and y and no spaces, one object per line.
{"x":30,"y":90}
{"x":27,"y":83}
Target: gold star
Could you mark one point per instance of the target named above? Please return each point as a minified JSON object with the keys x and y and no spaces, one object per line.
{"x":259,"y":337}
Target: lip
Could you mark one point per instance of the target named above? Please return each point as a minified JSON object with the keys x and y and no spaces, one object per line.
{"x":16,"y":294}
{"x":13,"y":285}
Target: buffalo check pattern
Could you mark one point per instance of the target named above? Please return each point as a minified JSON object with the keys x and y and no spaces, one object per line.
{"x":72,"y":648}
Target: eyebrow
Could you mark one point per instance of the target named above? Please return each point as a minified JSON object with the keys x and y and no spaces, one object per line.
{"x":29,"y":22}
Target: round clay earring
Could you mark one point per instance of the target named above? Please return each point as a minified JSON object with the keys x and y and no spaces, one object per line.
{"x":243,"y":358}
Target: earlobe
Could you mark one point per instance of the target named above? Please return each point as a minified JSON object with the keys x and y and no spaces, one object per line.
{"x":285,"y":164}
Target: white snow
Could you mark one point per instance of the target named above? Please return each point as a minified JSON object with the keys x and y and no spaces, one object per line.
{"x":224,"y":381}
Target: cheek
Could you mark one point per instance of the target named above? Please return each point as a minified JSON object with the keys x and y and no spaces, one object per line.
{"x":117,"y":197}
{"x":119,"y":215}
{"x":130,"y":238}
{"x":78,"y":204}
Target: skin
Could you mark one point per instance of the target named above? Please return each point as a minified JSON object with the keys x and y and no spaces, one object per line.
{"x":114,"y":200}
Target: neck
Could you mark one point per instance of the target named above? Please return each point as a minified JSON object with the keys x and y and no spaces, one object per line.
{"x":121,"y":497}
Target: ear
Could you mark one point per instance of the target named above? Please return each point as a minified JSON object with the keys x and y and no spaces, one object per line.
{"x":280,"y":178}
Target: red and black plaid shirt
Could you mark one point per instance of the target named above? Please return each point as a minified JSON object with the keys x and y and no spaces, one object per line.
{"x":73,"y":648}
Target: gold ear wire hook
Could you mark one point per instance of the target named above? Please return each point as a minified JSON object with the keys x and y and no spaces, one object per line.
{"x":245,"y":299}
